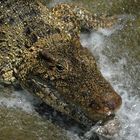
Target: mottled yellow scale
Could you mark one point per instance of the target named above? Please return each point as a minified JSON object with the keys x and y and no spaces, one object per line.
{"x":40,"y":49}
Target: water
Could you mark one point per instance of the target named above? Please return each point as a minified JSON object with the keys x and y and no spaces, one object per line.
{"x":18,"y":100}
{"x":117,"y":53}
{"x":122,"y":81}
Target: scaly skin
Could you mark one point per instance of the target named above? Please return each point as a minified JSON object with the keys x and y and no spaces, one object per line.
{"x":40,"y":49}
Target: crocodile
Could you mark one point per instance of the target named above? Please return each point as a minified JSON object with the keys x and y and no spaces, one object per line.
{"x":40,"y":49}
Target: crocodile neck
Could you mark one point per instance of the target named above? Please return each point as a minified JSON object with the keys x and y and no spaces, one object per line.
{"x":19,"y":30}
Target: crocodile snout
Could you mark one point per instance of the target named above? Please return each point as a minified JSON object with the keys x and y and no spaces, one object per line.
{"x":114,"y":103}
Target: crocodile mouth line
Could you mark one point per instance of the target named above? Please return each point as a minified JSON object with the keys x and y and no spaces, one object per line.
{"x":71,"y":108}
{"x":48,"y":91}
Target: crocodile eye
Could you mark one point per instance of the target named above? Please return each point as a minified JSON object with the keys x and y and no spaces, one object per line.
{"x":59,"y":67}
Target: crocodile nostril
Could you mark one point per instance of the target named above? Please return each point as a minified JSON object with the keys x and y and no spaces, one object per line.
{"x":111,"y":104}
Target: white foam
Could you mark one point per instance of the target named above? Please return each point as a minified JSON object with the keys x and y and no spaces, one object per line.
{"x":18,"y":100}
{"x":130,"y":110}
{"x":73,"y":136}
{"x":129,"y":113}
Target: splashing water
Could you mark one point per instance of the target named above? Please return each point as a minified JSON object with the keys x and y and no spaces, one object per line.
{"x":120,"y":80}
{"x":19,"y":100}
{"x":129,"y":113}
{"x":115,"y":74}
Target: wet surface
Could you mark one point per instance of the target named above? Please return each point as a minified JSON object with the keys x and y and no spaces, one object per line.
{"x":117,"y":51}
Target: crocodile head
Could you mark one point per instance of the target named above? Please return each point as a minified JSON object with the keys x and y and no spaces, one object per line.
{"x":65,"y":67}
